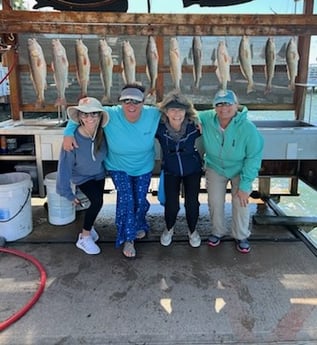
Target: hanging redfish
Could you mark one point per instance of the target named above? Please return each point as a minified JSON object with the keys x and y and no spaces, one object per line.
{"x":82,"y":67}
{"x":197,"y":60}
{"x":270,"y":58}
{"x":175,"y":62}
{"x":223,"y":61}
{"x":38,"y":70}
{"x":106,"y":67}
{"x":128,"y":63}
{"x":60,"y":70}
{"x":292,"y":58}
{"x":245,"y":59}
{"x":152,"y":60}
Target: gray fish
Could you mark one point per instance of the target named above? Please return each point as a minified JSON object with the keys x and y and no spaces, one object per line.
{"x":269,"y":69}
{"x":292,"y":58}
{"x":197,"y":60}
{"x":152,"y":60}
{"x":223,"y":62}
{"x":175,"y":62}
{"x":128,"y":63}
{"x":38,"y":70}
{"x":245,"y":59}
{"x":106,"y":68}
{"x":83,"y":67}
{"x":60,"y":70}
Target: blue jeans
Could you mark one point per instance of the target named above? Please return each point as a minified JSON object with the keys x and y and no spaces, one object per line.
{"x":132,"y":204}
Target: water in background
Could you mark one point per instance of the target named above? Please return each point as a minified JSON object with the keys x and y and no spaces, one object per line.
{"x":306,"y":203}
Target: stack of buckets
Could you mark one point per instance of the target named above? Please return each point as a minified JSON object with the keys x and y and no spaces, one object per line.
{"x":60,"y":210}
{"x":15,"y":205}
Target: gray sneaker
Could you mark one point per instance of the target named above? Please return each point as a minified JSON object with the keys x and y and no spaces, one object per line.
{"x":87,"y":244}
{"x":194,"y":239}
{"x":166,"y":237}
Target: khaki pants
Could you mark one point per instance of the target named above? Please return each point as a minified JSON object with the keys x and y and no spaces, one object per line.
{"x":216,"y":188}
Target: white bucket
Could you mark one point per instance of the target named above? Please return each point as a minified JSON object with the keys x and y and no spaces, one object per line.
{"x":60,"y":210}
{"x":15,"y":205}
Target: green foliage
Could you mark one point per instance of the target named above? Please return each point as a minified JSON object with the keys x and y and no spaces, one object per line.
{"x":18,"y":5}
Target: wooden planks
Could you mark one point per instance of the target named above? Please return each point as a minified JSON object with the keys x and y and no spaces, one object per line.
{"x":160,"y":24}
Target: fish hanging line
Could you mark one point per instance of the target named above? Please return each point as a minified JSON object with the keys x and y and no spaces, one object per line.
{"x":15,"y":61}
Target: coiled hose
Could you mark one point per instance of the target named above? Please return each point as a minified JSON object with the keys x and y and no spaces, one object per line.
{"x":35,"y":297}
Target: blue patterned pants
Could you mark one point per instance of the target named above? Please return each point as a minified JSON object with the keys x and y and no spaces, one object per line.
{"x":132,"y":204}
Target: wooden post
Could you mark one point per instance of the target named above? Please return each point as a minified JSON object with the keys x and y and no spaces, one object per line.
{"x":303,"y":48}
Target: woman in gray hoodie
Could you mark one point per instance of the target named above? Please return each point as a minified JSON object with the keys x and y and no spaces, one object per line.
{"x":84,"y":166}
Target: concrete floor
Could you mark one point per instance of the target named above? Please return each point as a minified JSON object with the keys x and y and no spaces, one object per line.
{"x":175,"y":295}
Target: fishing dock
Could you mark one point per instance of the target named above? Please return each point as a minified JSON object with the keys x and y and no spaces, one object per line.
{"x":176,"y":295}
{"x":168,"y":295}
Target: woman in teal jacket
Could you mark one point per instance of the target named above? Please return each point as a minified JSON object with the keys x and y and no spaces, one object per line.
{"x":233,"y":152}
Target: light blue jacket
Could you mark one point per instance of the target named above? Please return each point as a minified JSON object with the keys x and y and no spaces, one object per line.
{"x":237,"y":150}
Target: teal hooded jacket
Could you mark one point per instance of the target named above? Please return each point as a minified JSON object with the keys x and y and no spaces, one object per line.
{"x":236,"y":150}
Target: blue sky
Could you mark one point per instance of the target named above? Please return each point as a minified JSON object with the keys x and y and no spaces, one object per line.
{"x":255,"y":6}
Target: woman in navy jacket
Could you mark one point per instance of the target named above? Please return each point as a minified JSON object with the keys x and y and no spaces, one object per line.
{"x":181,"y":163}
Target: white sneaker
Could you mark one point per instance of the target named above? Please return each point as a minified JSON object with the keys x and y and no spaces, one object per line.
{"x":94,"y":234}
{"x":166,"y":237}
{"x":194,"y":239}
{"x":87,"y":244}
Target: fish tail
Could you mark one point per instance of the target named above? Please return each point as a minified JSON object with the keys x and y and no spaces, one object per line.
{"x":250,"y":88}
{"x":40,"y":103}
{"x":105,"y":99}
{"x":268,"y":90}
{"x":291,"y":86}
{"x":82,"y":95}
{"x":60,"y":101}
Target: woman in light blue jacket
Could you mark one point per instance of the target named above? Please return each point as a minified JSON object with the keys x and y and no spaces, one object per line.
{"x":233,"y":152}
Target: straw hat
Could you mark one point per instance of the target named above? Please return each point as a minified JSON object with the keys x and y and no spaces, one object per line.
{"x":88,"y":105}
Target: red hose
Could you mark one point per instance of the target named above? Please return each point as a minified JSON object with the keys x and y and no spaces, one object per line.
{"x":35,"y":297}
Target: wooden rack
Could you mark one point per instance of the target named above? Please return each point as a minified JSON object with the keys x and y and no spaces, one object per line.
{"x":13,"y":23}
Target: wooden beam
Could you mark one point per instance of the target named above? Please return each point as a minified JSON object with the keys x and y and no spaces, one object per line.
{"x":109,"y":23}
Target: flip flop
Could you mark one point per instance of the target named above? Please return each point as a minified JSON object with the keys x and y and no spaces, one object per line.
{"x":129,"y":250}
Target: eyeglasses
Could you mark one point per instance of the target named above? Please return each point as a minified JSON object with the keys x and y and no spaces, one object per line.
{"x":224,"y":104}
{"x":133,"y":101}
{"x":85,"y":115}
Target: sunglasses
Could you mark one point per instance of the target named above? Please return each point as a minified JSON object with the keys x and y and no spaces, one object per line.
{"x":224,"y":104}
{"x":85,"y":115}
{"x":133,"y":101}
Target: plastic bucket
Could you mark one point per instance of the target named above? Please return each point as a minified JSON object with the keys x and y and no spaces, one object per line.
{"x":15,"y":205}
{"x":60,"y":210}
